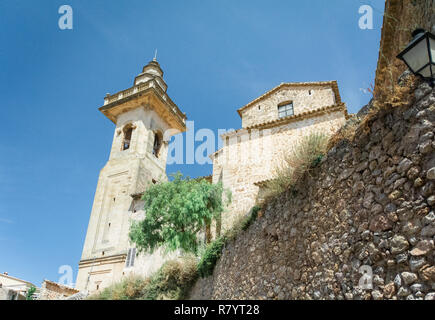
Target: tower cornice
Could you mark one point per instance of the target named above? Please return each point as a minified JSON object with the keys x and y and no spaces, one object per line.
{"x":147,"y":93}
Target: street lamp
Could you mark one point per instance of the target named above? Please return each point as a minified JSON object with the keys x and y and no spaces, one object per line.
{"x":419,"y":55}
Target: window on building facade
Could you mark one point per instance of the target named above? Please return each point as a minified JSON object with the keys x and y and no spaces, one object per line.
{"x":285,"y":110}
{"x":131,"y":255}
{"x":127,"y":138}
{"x":157,"y":144}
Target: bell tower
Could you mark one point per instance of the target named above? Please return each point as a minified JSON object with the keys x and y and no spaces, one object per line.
{"x":145,"y":117}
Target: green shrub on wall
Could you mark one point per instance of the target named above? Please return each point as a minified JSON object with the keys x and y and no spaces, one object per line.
{"x":30,"y":293}
{"x":251,"y":218}
{"x":296,"y":162}
{"x":173,"y":281}
{"x":210,"y":257}
{"x":213,"y":251}
{"x":130,"y":288}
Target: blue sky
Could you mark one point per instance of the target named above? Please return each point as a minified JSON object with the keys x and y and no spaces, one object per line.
{"x":217,"y":56}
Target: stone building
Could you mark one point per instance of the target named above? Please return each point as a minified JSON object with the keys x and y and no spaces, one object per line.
{"x":145,"y":117}
{"x":12,"y":288}
{"x":272,"y":124}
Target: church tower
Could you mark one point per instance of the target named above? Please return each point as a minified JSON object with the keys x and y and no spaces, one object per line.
{"x":145,"y":117}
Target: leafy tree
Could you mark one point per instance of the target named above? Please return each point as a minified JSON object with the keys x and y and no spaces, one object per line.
{"x":176,"y":211}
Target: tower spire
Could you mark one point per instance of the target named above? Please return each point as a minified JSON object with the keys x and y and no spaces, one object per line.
{"x":155,"y":55}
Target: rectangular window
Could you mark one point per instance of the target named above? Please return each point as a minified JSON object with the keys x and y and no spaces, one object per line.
{"x":127,"y":138}
{"x":131,"y":255}
{"x":285,"y":110}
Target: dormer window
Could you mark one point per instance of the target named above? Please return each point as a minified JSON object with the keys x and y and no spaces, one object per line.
{"x":285,"y":109}
{"x":128,"y":131}
{"x":157,"y":144}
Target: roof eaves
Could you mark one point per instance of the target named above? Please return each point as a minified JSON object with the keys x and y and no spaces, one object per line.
{"x":300,"y":116}
{"x":333,"y":83}
{"x":17,"y":279}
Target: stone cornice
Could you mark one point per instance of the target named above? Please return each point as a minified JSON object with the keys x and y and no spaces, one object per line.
{"x":301,"y":116}
{"x":296,"y":117}
{"x":102,"y":260}
{"x":155,"y":64}
{"x":137,"y":195}
{"x":124,"y":96}
{"x":286,"y":120}
{"x":333,"y":85}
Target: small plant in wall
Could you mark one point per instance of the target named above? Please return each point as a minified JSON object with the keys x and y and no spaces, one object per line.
{"x":176,"y":212}
{"x":213,"y":251}
{"x":296,"y":162}
{"x":30,"y":293}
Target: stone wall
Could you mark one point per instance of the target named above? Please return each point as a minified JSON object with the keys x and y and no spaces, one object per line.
{"x":401,"y":18}
{"x":54,"y":291}
{"x":369,"y":203}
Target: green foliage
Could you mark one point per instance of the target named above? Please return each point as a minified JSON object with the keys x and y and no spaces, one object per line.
{"x":211,"y":256}
{"x":130,"y":288}
{"x":30,"y":293}
{"x":317,"y":160}
{"x":175,"y":212}
{"x":295,"y":163}
{"x":251,"y":218}
{"x":176,"y":277}
{"x":213,"y":251}
{"x":172,"y":281}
